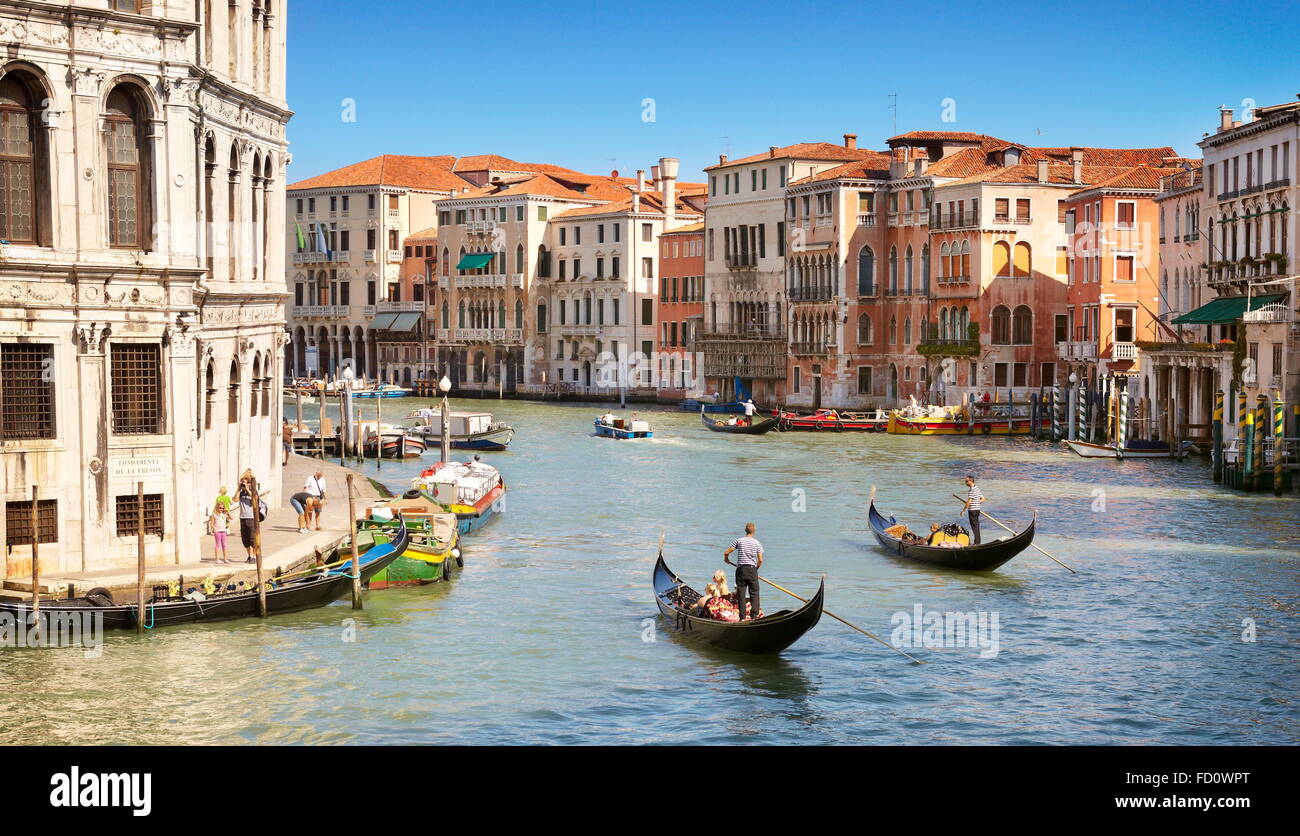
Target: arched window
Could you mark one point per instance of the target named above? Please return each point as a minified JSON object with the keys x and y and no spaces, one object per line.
{"x":925,"y":269}
{"x":907,"y":331}
{"x":232,"y":394}
{"x":446,"y":314}
{"x":23,"y":191}
{"x":893,"y":331}
{"x":945,"y":267}
{"x":446,"y":263}
{"x":501,"y":314}
{"x":866,"y":272}
{"x":893,"y":270}
{"x":965,"y":259}
{"x":460,"y":316}
{"x":907,"y":271}
{"x":519,"y":313}
{"x":129,"y":214}
{"x":943,"y":324}
{"x":253,"y":384}
{"x":1021,"y":266}
{"x":1022,"y":326}
{"x":1001,"y":259}
{"x":864,"y":330}
{"x":519,"y":258}
{"x":1001,"y":326}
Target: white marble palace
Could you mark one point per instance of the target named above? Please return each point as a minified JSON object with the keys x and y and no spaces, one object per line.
{"x":142,"y":151}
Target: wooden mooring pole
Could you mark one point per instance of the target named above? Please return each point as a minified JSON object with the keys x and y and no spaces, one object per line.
{"x":356,"y":547}
{"x":139,"y":558}
{"x":257,"y":549}
{"x":36,"y":563}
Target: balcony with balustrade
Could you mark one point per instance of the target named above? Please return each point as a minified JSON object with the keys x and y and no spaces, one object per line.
{"x":742,"y":261}
{"x":399,"y":307}
{"x":811,"y":293}
{"x":331,"y":312}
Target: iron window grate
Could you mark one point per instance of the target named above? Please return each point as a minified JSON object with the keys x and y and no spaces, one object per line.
{"x":127,"y":516}
{"x":26,"y":391}
{"x":137,"y":389}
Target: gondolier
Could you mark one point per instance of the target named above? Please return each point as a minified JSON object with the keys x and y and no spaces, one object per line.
{"x":749,"y":557}
{"x":974,"y":502}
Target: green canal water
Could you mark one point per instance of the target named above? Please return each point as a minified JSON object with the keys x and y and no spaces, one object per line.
{"x":550,"y":634}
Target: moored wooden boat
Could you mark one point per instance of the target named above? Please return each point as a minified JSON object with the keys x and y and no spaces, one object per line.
{"x":477,"y":431}
{"x":290,"y":593}
{"x":473,"y":491}
{"x":385,"y":391}
{"x":395,"y":444}
{"x":770,"y":634}
{"x":902,"y":425}
{"x":986,"y":556}
{"x":432,"y":552}
{"x":1133,"y":449}
{"x":831,"y":420}
{"x":755,"y":427}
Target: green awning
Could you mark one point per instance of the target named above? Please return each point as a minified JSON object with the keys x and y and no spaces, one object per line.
{"x":405,"y":322}
{"x":382,"y":322}
{"x":1226,"y":309}
{"x":473,"y":261}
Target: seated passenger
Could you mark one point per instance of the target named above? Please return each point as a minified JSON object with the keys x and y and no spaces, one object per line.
{"x":937,"y":535}
{"x":713,"y":605}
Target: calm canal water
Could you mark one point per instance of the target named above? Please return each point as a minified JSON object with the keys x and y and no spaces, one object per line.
{"x":543,"y":638}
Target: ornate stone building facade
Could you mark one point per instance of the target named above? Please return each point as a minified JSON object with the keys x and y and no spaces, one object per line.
{"x":141,"y":290}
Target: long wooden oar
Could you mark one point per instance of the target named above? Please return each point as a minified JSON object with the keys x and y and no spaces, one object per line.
{"x":833,"y":615}
{"x":995,"y":519}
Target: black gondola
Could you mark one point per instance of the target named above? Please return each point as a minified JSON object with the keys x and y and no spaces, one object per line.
{"x":756,"y":428}
{"x":770,"y":634}
{"x":985,"y":557}
{"x":293,"y":595}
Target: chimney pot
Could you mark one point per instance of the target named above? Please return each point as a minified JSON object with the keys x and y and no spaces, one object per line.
{"x":850,"y":140}
{"x":1225,"y":118}
{"x":1042,"y":171}
{"x":771,"y":151}
{"x":722,"y":159}
{"x":614,"y":174}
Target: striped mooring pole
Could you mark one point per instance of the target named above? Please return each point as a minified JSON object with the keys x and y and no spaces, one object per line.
{"x":1121,"y":421}
{"x":1080,"y":412}
{"x":1058,"y":417}
{"x":1279,"y":433}
{"x":1247,"y":455}
{"x":1261,"y":437}
{"x":1216,"y":452}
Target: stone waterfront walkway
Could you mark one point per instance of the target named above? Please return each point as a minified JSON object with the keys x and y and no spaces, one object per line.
{"x":282,"y":545}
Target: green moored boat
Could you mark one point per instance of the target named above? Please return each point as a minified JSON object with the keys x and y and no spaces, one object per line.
{"x":432,"y":553}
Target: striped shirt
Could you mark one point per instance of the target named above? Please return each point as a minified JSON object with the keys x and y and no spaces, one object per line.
{"x":975,"y":497}
{"x":747,"y":551}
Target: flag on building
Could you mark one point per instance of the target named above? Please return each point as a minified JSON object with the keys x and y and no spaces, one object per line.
{"x":302,"y":239}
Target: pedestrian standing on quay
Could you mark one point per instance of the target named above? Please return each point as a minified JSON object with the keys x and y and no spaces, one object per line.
{"x":247,"y":535}
{"x":286,"y":438}
{"x":223,"y":498}
{"x":315,"y":488}
{"x":220,"y":527}
{"x":974,"y":503}
{"x":749,"y":557}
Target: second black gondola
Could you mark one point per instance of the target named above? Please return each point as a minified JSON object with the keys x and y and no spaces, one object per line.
{"x":985,"y":557}
{"x":285,"y":596}
{"x":755,"y":428}
{"x":770,"y":634}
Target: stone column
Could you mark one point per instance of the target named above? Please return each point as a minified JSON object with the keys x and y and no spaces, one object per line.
{"x":92,"y":385}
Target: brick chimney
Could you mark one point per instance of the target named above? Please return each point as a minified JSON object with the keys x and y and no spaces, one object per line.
{"x":1042,"y":170}
{"x":771,"y":151}
{"x":722,"y":159}
{"x":1076,"y":164}
{"x":1225,"y":118}
{"x":851,"y":141}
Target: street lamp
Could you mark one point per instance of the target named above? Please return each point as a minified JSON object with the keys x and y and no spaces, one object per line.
{"x":444,"y":386}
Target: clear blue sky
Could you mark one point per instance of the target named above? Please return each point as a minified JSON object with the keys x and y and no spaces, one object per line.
{"x":564,"y":83}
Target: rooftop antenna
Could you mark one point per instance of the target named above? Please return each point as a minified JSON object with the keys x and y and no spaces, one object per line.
{"x":893,"y":105}
{"x":726,"y":144}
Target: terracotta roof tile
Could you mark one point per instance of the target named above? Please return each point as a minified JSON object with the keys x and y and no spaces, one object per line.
{"x":873,"y":167}
{"x":1112,"y":156}
{"x":823,"y":151}
{"x":693,"y":228}
{"x":428,"y":173}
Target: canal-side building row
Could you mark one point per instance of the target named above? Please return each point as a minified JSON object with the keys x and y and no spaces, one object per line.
{"x":1231,"y":294}
{"x":141,"y":281}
